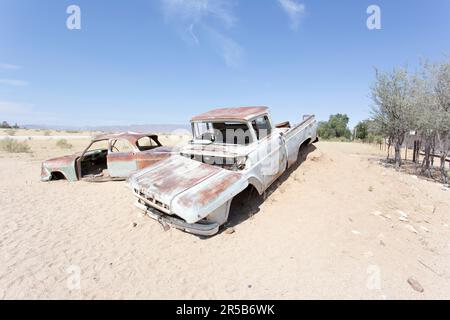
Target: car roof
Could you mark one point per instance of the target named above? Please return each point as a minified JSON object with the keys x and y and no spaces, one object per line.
{"x":130,"y":136}
{"x":240,"y":113}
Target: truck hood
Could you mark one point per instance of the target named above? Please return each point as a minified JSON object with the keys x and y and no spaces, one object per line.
{"x":191,"y":189}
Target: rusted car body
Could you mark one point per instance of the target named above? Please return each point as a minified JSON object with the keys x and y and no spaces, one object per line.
{"x":108,"y":157}
{"x":193,"y":191}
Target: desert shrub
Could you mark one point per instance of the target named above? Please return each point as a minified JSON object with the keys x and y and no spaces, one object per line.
{"x":14,"y":146}
{"x":63,"y":144}
{"x":72,"y":131}
{"x":47,"y":132}
{"x":11,"y":132}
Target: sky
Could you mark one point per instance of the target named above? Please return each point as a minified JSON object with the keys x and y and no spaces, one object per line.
{"x":163,"y":61}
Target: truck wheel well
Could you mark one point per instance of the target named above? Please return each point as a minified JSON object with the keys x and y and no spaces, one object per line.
{"x":244,"y":205}
{"x":245,"y":196}
{"x":305,"y":143}
{"x":302,"y":151}
{"x":57,"y":175}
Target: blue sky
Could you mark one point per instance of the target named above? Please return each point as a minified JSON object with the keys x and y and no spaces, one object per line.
{"x":163,"y":61}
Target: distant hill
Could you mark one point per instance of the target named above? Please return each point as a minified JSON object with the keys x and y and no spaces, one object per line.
{"x":166,"y":128}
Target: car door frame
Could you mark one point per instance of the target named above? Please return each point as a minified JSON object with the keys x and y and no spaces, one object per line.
{"x":78,"y":161}
{"x":126,"y":162}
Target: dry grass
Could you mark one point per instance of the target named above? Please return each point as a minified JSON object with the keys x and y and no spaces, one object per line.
{"x":13,"y":146}
{"x":415,"y":169}
{"x":63,"y":144}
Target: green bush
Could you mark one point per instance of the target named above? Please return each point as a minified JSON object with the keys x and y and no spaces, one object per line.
{"x":14,"y":146}
{"x":335,"y":127}
{"x":63,"y":144}
{"x":362,"y":130}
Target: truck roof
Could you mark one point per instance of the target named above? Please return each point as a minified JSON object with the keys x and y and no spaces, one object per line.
{"x":240,"y":113}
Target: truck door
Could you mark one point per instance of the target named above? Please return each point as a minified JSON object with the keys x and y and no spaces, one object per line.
{"x":271,"y":150}
{"x":121,"y":159}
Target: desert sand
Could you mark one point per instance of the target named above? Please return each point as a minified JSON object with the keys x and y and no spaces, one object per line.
{"x":339,"y":225}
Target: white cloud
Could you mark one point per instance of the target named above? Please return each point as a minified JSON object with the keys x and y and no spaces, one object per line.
{"x":211,"y":18}
{"x":197,"y":11}
{"x":8,"y":66}
{"x":193,"y":35}
{"x":12,"y":82}
{"x":229,"y":49}
{"x":294,"y":10}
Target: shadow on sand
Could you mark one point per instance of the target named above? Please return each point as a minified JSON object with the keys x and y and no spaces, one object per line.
{"x":246,"y":204}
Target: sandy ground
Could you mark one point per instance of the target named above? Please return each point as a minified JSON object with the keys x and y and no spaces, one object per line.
{"x":330,"y":228}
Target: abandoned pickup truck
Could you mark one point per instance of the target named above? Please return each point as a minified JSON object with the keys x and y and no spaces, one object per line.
{"x":232,"y":149}
{"x":107,"y":157}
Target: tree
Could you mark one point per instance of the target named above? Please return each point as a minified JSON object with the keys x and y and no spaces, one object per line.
{"x":335,"y":127}
{"x":392,"y":112}
{"x":362,"y":130}
{"x":5,"y":125}
{"x":424,"y":116}
{"x":440,"y":78}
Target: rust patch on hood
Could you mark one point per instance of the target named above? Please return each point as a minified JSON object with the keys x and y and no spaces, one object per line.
{"x":171,"y":177}
{"x":209,"y":192}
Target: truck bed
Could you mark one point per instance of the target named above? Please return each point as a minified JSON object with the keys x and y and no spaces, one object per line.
{"x":297,"y":135}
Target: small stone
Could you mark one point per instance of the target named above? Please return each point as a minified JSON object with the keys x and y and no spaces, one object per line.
{"x":249,"y":286}
{"x":382,"y":243}
{"x":425,"y":229}
{"x":411,"y":228}
{"x":134,"y":225}
{"x":415,"y":285}
{"x":403,"y":216}
{"x":230,"y":231}
{"x":356,"y":232}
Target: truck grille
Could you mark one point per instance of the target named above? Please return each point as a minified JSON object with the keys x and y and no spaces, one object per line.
{"x":150,"y":200}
